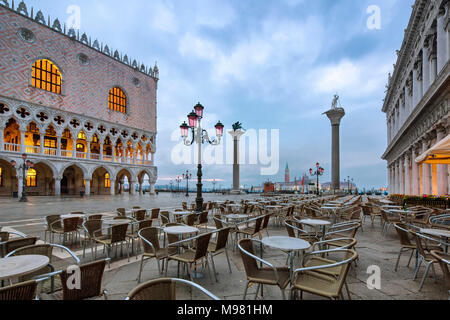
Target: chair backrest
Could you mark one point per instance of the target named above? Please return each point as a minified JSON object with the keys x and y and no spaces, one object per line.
{"x":155,"y":213}
{"x":92,"y":226}
{"x":367,"y":210}
{"x":290,"y":230}
{"x":163,"y":289}
{"x":4,"y":236}
{"x":140,"y":215}
{"x":184,"y":206}
{"x":202,"y":246}
{"x":203,"y":217}
{"x":190,"y":219}
{"x":36,"y":249}
{"x":250,"y":264}
{"x":70,"y":224}
{"x":258,"y":225}
{"x":403,"y":234}
{"x":218,"y":222}
{"x":145,"y":224}
{"x":152,"y":236}
{"x":165,"y":217}
{"x":15,"y":244}
{"x":122,"y":211}
{"x":222,"y":238}
{"x":77,"y":213}
{"x":54,"y":221}
{"x":266,"y":221}
{"x":25,"y":291}
{"x":136,"y":208}
{"x":119,"y":233}
{"x":95,"y":217}
{"x":90,"y":282}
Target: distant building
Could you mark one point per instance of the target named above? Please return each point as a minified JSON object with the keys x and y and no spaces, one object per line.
{"x":344,"y":186}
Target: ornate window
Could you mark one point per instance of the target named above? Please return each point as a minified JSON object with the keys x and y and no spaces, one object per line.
{"x":82,"y":136}
{"x":80,"y":147}
{"x":31,"y":178}
{"x":117,"y":100}
{"x":107,"y":181}
{"x":45,"y":75}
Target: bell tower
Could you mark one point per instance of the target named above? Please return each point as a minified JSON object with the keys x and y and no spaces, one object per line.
{"x":287,"y":176}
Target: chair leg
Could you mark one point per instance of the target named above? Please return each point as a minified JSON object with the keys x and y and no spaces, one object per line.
{"x":425,"y":275}
{"x":417,"y":268}
{"x":398,"y":259}
{"x":214,"y":267}
{"x":348,"y":291}
{"x":283,"y":294}
{"x":257,"y":291}
{"x":140,"y":270}
{"x":246,"y":290}
{"x":228,"y":260}
{"x":412,"y":254}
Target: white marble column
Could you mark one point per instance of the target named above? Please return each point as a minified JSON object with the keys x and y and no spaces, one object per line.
{"x":22,"y":140}
{"x":442,"y":169}
{"x":389,"y":179}
{"x":42,"y":142}
{"x":57,"y":186}
{"x":395,"y":178}
{"x":415,"y":173}
{"x":2,"y":142}
{"x":442,"y":45}
{"x":417,"y":87}
{"x":132,"y":187}
{"x":58,"y":147}
{"x":426,"y":70}
{"x":88,"y":151}
{"x":426,"y":168}
{"x":407,"y":168}
{"x":19,"y":186}
{"x":101,"y":151}
{"x":401,"y":175}
{"x":152,"y":188}
{"x":433,"y":68}
{"x":87,"y":187}
{"x":74,"y":149}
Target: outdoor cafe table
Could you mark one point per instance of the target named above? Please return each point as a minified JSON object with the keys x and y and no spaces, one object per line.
{"x":68,"y":216}
{"x":14,"y":267}
{"x":317,"y":223}
{"x":438,"y":233}
{"x":238,"y":217}
{"x":333,"y":211}
{"x":288,"y":245}
{"x":406,"y":214}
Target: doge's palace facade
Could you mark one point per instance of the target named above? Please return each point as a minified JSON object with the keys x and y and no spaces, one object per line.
{"x":84,"y":114}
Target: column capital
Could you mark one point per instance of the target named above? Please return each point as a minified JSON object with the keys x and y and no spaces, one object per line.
{"x":236,"y":134}
{"x":335,"y":116}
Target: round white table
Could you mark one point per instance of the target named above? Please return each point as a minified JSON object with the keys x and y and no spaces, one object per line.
{"x":180,"y":230}
{"x":317,"y":223}
{"x":288,"y":245}
{"x":17,"y":266}
{"x":436,"y":232}
{"x":237,"y":217}
{"x":68,"y":216}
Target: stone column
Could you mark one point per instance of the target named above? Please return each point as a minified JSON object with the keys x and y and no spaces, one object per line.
{"x":390,"y":180}
{"x":152,"y":188}
{"x":74,"y":149}
{"x":2,"y":138}
{"x":433,"y":68}
{"x":113,"y":187}
{"x":22,"y":140}
{"x":88,"y":151}
{"x":415,"y":173}
{"x":407,"y":167}
{"x":58,"y":186}
{"x":442,"y":169}
{"x":335,"y":115}
{"x":417,"y":83}
{"x":87,"y":188}
{"x":426,"y":69}
{"x":42,"y":142}
{"x":132,"y":187}
{"x":101,"y":151}
{"x":113,"y":152}
{"x":19,"y":185}
{"x":236,"y":166}
{"x":441,"y":43}
{"x":401,"y":175}
{"x":58,"y":147}
{"x":426,"y":172}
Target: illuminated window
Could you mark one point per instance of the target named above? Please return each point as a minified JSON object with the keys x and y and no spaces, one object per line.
{"x":1,"y":177}
{"x":80,"y":147}
{"x":107,"y":181}
{"x":117,"y":100}
{"x":31,"y":178}
{"x":81,"y":136}
{"x":45,"y":75}
{"x":94,"y":139}
{"x":50,"y":143}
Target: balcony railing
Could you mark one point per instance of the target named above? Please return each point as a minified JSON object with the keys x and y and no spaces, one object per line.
{"x":11,"y":147}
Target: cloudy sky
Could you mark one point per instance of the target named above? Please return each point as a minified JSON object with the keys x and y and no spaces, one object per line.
{"x":270,"y":64}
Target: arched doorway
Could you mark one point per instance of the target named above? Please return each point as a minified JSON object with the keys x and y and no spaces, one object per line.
{"x":101,"y":182}
{"x":123,"y":182}
{"x":144,"y":182}
{"x":73,"y":181}
{"x":40,"y":181}
{"x":8,"y":179}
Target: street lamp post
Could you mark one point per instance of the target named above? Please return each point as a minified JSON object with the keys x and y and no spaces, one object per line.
{"x":214,"y":185}
{"x":187,"y":176}
{"x":319,"y":172}
{"x":178,"y":181}
{"x":349,"y":184}
{"x":27,"y":164}
{"x":200,"y":136}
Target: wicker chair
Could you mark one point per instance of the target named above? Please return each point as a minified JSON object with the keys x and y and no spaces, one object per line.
{"x":43,"y":250}
{"x":25,"y":291}
{"x":53,"y":226}
{"x":313,"y":280}
{"x":164,"y":217}
{"x":388,"y":220}
{"x":70,"y":226}
{"x":122,"y":212}
{"x":425,"y":256}
{"x":152,"y":249}
{"x":219,"y":246}
{"x":269,"y":275}
{"x":444,"y":262}
{"x":95,"y":217}
{"x":190,"y":219}
{"x":4,"y":236}
{"x":163,"y":289}
{"x":265,"y":224}
{"x":14,"y":244}
{"x":202,"y":220}
{"x":294,"y":230}
{"x":134,"y":233}
{"x":155,"y":214}
{"x":252,"y":231}
{"x":90,"y":282}
{"x":118,"y":235}
{"x":140,"y":215}
{"x":405,"y":242}
{"x":92,"y":230}
{"x":192,"y":258}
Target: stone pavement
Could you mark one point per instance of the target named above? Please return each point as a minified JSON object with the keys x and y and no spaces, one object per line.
{"x":373,"y":249}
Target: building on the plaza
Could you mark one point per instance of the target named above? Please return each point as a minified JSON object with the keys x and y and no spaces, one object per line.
{"x":417,"y":102}
{"x":83,"y":113}
{"x":300,"y":185}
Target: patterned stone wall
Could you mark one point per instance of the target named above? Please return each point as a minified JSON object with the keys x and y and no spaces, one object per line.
{"x":85,"y":87}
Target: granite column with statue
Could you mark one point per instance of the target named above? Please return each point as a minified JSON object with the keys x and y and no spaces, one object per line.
{"x":236,"y":133}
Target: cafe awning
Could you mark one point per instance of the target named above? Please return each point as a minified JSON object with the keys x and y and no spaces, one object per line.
{"x":438,"y":154}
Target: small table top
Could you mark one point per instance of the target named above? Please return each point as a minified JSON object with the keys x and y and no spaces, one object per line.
{"x":329,"y":208}
{"x":312,"y":222}
{"x":436,"y":232}
{"x":236,"y":216}
{"x":117,"y":222}
{"x":286,"y":243}
{"x":179,"y":230}
{"x":273,"y":207}
{"x":401,"y":211}
{"x":68,"y":216}
{"x":181,"y":213}
{"x":21,"y":265}
{"x":233,"y":205}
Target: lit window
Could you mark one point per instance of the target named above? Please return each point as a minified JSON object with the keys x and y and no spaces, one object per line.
{"x":117,"y":100}
{"x":45,"y":75}
{"x":80,"y":147}
{"x":81,"y":136}
{"x":1,"y":177}
{"x":31,"y":178}
{"x":107,"y":181}
{"x":94,"y":139}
